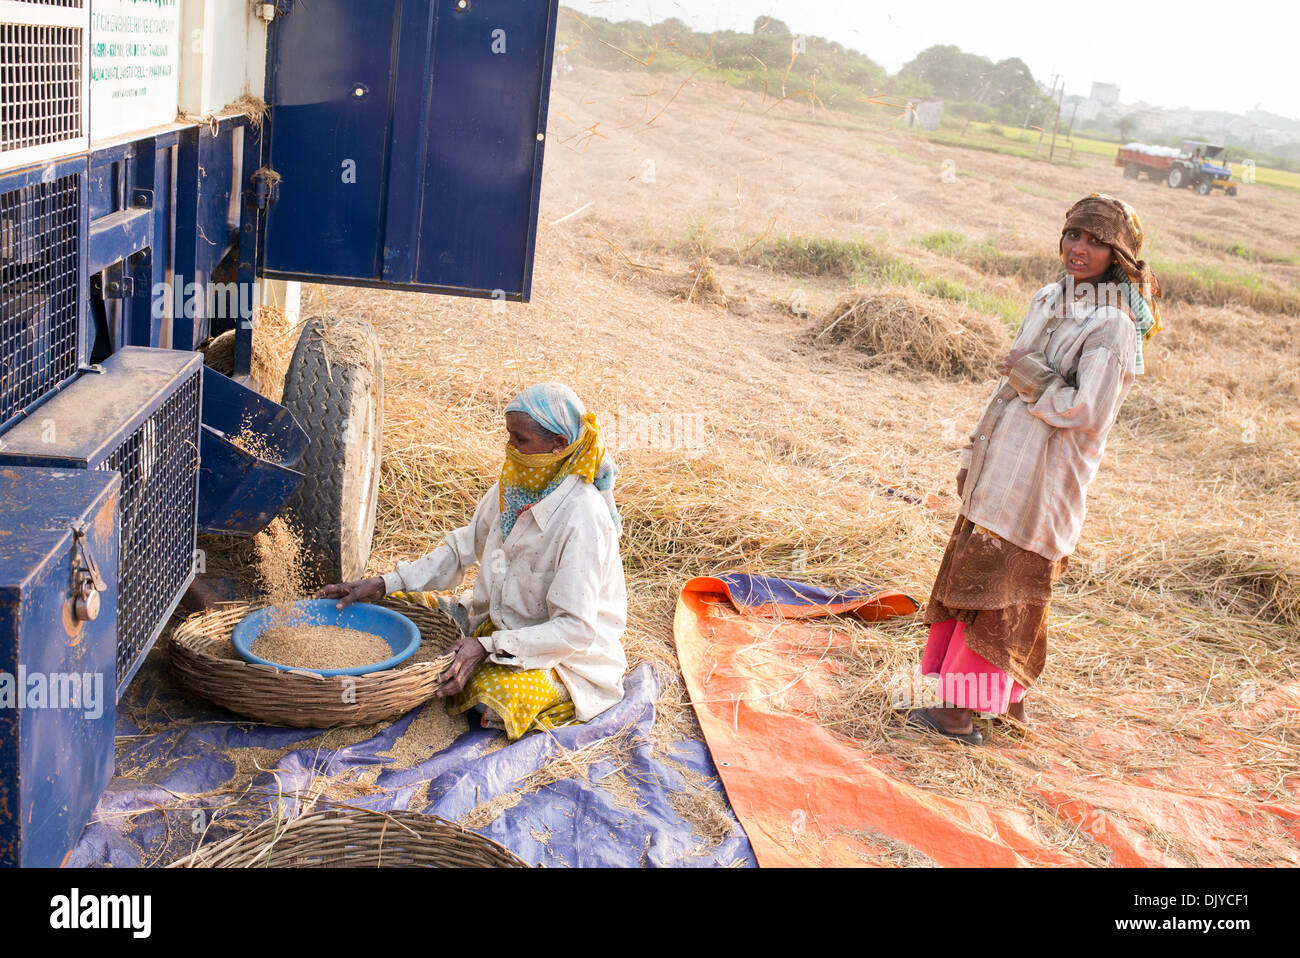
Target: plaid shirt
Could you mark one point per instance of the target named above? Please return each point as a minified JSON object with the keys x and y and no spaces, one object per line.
{"x":1041,"y":438}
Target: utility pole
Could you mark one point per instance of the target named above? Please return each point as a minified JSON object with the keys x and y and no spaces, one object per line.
{"x":1041,"y":131}
{"x":1061,"y":96}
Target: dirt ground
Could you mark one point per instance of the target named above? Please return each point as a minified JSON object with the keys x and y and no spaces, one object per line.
{"x":1183,"y":601}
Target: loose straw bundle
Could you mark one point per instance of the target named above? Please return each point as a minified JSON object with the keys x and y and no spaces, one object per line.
{"x":908,"y":329}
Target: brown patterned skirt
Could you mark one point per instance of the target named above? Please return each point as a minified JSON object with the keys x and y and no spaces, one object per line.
{"x":1001,"y":593}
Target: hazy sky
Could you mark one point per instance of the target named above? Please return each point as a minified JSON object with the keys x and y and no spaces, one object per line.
{"x":1168,"y":54}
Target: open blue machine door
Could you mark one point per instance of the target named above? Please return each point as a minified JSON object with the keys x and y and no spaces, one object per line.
{"x":405,"y":140}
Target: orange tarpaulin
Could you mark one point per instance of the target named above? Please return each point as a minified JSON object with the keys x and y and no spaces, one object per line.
{"x":807,"y":797}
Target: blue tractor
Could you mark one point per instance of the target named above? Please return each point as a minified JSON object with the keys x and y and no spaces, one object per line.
{"x":162,"y":164}
{"x":1202,"y":167}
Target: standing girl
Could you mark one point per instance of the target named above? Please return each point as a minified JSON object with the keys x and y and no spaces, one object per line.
{"x":1026,"y":470}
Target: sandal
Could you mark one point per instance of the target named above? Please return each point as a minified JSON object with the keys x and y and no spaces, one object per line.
{"x":1006,"y":722}
{"x":922,"y":719}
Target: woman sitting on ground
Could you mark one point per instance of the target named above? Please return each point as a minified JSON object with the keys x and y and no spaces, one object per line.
{"x":1024,"y":475}
{"x":542,"y":627}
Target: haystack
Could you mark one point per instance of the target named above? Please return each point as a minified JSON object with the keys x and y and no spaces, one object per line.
{"x":911,"y":330}
{"x":702,"y":284}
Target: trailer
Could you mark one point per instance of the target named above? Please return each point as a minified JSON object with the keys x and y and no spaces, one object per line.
{"x":166,"y":166}
{"x":1196,"y":164}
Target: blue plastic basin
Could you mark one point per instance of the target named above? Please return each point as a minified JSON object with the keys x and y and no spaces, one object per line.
{"x":401,"y":634}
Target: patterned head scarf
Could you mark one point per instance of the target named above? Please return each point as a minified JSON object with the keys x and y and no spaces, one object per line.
{"x":527,"y":479}
{"x":1116,"y":224}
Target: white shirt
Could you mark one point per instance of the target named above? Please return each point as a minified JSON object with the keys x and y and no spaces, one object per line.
{"x":554,"y":589}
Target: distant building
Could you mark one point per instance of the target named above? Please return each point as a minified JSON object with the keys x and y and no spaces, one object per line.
{"x":1151,"y":121}
{"x":1106,"y":94}
{"x":924,"y":113}
{"x":1083,"y":109}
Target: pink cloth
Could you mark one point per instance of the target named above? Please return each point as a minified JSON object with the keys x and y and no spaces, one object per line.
{"x":966,"y":679}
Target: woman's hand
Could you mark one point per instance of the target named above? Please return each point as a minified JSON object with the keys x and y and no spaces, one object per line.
{"x":1011,"y":358}
{"x":961,"y":480}
{"x":362,"y":590}
{"x":470,"y":654}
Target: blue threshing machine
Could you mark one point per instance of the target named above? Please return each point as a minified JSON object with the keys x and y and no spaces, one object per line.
{"x":154,"y":153}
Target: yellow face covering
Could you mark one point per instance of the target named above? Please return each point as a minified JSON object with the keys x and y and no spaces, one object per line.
{"x":527,"y":479}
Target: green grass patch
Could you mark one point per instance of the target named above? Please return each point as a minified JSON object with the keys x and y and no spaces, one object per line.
{"x":1202,"y":283}
{"x":1041,"y":193}
{"x":903,"y":155}
{"x":1005,"y":308}
{"x":986,"y":256}
{"x":820,"y":256}
{"x":1285,"y":179}
{"x":947,"y":242}
{"x":860,"y":261}
{"x":1007,"y":146}
{"x":1212,"y":285}
{"x":1250,"y":253}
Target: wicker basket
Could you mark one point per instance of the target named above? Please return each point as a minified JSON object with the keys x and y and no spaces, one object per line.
{"x":205,"y":663}
{"x":347,"y":837}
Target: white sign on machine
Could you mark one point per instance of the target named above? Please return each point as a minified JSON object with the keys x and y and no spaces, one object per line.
{"x":134,"y":65}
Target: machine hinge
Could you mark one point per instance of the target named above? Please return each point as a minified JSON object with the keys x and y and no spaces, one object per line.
{"x":266,"y":187}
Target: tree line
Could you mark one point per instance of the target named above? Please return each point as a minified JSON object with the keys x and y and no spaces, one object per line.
{"x":772,"y":58}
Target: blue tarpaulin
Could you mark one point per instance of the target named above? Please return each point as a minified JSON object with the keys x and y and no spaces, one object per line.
{"x":176,"y":760}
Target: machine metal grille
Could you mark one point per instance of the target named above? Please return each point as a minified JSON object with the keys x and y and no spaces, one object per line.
{"x":159,"y":464}
{"x":40,"y":84}
{"x":39,"y":246}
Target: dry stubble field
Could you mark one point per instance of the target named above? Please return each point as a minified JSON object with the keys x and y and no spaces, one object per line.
{"x":1176,"y":626}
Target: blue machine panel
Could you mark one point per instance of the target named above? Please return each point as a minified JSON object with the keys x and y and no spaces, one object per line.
{"x":243,"y":485}
{"x":408,"y":140}
{"x":42,"y":283}
{"x":140,"y":418}
{"x":57,"y":672}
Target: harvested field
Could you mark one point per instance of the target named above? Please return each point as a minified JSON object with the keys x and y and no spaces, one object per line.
{"x":1179,"y":608}
{"x":1179,"y":613}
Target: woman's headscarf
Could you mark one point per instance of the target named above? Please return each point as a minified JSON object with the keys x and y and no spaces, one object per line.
{"x":1116,"y":224}
{"x":527,"y":479}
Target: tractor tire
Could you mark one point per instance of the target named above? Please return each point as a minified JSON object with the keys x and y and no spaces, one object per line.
{"x":1231,"y":191}
{"x":1205,"y":187}
{"x":1177,"y":177}
{"x":334,"y":387}
{"x":1131,"y":171}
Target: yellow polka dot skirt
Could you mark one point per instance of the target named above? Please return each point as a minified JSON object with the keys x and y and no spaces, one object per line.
{"x":517,"y":700}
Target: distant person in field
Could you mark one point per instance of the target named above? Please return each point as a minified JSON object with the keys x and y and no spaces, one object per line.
{"x":1026,"y":470}
{"x":541,"y":630}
